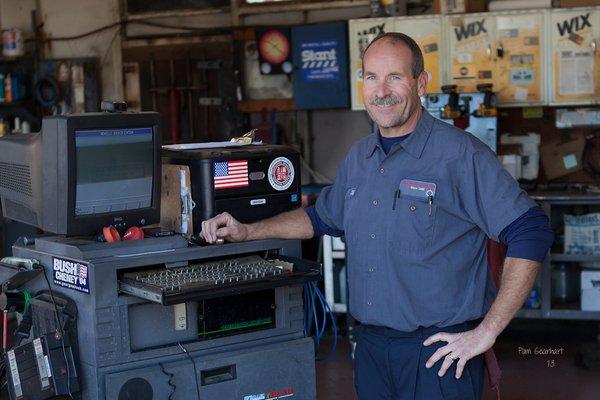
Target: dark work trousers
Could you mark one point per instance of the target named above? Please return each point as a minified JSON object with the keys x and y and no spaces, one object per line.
{"x":390,"y":365}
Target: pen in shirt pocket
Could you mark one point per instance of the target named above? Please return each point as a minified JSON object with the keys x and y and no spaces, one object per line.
{"x":396,"y":195}
{"x":430,"y":202}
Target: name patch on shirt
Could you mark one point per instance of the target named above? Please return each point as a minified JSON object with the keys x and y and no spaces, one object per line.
{"x":419,"y":189}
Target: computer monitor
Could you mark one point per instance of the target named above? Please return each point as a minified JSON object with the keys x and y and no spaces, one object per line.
{"x":83,"y":172}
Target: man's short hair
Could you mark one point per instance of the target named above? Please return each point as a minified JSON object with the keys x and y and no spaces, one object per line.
{"x":397,"y":37}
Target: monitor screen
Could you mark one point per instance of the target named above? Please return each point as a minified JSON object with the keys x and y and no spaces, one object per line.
{"x":114,"y":170}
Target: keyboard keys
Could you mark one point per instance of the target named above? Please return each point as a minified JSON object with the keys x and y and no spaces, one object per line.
{"x":211,"y":273}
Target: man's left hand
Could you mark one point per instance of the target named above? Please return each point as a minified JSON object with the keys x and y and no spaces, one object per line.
{"x":461,"y":346}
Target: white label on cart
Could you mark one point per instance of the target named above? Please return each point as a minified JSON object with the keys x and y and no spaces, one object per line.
{"x":281,"y":173}
{"x":272,"y":395}
{"x":14,"y":372}
{"x":71,"y":274}
{"x":48,"y":366}
{"x":41,"y":363}
{"x":257,"y":202}
{"x":180,"y":313}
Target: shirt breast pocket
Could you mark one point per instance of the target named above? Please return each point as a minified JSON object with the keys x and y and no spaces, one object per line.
{"x":412,"y":224}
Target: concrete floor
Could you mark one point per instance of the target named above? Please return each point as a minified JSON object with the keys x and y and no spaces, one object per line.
{"x":525,"y":376}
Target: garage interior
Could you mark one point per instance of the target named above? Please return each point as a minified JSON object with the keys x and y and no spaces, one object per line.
{"x":523,"y":77}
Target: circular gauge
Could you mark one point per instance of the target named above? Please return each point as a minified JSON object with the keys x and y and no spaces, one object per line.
{"x":265,"y":68}
{"x":274,"y":47}
{"x":287,"y":67}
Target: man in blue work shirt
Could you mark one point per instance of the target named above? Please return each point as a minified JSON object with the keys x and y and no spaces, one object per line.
{"x":416,"y":202}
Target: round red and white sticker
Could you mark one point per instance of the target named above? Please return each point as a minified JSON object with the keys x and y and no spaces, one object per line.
{"x":281,"y":173}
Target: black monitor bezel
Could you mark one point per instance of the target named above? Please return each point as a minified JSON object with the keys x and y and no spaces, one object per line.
{"x":81,"y":225}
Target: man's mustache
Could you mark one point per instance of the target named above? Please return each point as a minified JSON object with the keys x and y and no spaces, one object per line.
{"x":385,"y":101}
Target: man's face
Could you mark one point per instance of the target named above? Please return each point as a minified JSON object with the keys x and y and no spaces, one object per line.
{"x":390,"y":93}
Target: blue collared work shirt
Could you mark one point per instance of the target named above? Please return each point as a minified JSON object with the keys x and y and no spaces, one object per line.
{"x":413,"y":260}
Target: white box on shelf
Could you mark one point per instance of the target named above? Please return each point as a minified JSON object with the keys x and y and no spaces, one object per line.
{"x":582,"y":234}
{"x":590,"y":290}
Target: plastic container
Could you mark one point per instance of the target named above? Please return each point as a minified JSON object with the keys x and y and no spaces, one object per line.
{"x":12,"y":42}
{"x":565,"y":283}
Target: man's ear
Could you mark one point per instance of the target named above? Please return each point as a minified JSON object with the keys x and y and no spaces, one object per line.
{"x":422,"y":83}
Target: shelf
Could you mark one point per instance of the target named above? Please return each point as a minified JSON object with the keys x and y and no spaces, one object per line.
{"x":529,"y":313}
{"x":566,"y":197}
{"x":558,"y":314}
{"x":338,"y":255}
{"x":550,"y":309}
{"x":572,"y":314}
{"x":558,"y":257}
{"x":4,"y":59}
{"x":256,"y":106}
{"x":173,"y":14}
{"x":257,"y":8}
{"x":575,"y":314}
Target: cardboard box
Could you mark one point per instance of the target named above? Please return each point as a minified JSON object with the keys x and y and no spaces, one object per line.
{"x":562,"y":157}
{"x":458,"y":6}
{"x":578,"y":3}
{"x":590,"y":290}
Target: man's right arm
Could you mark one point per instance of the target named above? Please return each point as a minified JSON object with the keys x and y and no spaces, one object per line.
{"x":293,"y":224}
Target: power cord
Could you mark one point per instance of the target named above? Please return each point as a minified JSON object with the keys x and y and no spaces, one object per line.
{"x":194,"y":365}
{"x":327,"y":311}
{"x":3,"y":377}
{"x":311,"y":295}
{"x":171,"y":383}
{"x":59,"y":331}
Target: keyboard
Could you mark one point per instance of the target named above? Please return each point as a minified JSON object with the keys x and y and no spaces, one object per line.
{"x":169,"y":285}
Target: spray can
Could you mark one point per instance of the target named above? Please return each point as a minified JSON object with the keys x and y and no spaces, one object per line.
{"x":8,"y":89}
{"x":12,"y":42}
{"x":2,"y":94}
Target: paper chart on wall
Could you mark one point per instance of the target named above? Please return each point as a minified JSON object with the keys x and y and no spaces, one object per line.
{"x":576,"y":72}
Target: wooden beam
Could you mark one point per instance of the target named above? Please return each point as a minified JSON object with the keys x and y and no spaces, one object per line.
{"x":131,"y":43}
{"x":244,"y":34}
{"x":402,"y":7}
{"x":256,"y":106}
{"x":235,"y":13}
{"x":177,"y":13}
{"x":250,"y":9}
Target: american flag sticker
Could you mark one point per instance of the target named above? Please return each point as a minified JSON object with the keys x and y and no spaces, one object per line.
{"x":231,"y":174}
{"x":83,"y":271}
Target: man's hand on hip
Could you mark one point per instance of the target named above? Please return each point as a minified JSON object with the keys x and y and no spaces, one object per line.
{"x":223,"y":226}
{"x":461,"y":347}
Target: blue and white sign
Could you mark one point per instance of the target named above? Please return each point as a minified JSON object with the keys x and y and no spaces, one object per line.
{"x":71,"y":274}
{"x":320,"y":76}
{"x":320,"y":61}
